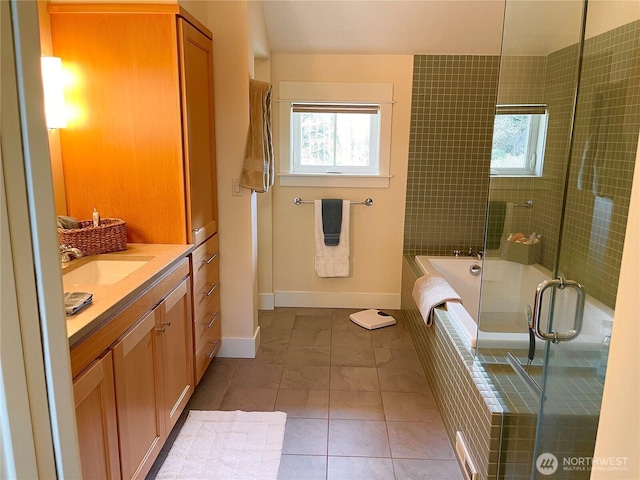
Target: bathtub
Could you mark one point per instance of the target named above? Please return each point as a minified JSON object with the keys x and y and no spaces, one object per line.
{"x":508,"y":288}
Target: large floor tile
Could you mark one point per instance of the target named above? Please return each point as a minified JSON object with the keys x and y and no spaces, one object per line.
{"x":308,"y":356}
{"x":420,"y":440}
{"x":303,"y":467}
{"x":312,"y":322}
{"x":206,"y":398}
{"x":278,"y":318}
{"x":355,"y":405}
{"x":268,"y":354}
{"x":354,"y":378}
{"x":402,"y":380}
{"x":392,"y":337}
{"x":398,"y":358}
{"x":353,"y":356}
{"x":358,"y":438}
{"x":249,"y":399}
{"x":305,"y":436}
{"x":410,"y":407}
{"x":312,"y":336}
{"x":351,"y":337}
{"x":257,"y":376}
{"x":350,"y":468}
{"x":218,"y":374}
{"x":305,"y":378}
{"x":407,"y":469}
{"x":303,"y":403}
{"x":276,"y":336}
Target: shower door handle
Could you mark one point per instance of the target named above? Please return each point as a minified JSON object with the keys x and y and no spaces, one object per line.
{"x":561,"y":284}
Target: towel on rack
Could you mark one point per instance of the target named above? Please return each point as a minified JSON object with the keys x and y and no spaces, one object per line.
{"x":332,"y":261}
{"x":331,"y":220}
{"x":257,"y":171}
{"x":431,"y":291}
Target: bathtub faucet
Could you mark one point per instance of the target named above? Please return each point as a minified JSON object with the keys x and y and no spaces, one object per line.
{"x":478,"y":254}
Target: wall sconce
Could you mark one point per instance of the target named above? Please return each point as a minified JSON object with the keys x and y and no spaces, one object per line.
{"x":52,"y":80}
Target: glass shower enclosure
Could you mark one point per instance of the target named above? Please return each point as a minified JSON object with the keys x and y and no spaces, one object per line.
{"x":565,"y":139}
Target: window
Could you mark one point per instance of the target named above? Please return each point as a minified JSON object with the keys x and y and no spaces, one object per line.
{"x":519,"y":134}
{"x":335,"y":138}
{"x":335,"y":134}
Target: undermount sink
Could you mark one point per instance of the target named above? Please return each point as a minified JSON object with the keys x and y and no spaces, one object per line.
{"x":101,"y":272}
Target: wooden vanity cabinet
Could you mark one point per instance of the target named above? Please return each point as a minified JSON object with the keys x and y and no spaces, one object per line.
{"x":139,"y":397}
{"x":140,"y":144}
{"x":95,"y":405}
{"x":129,"y":399}
{"x":153,"y":380}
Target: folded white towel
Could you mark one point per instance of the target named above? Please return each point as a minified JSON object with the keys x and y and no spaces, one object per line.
{"x":431,"y":291}
{"x":332,"y":261}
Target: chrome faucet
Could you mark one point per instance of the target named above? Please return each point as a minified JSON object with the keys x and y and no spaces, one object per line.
{"x":479,"y":254}
{"x":68,"y":253}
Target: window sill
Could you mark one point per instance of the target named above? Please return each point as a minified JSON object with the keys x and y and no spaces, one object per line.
{"x":333,"y":180}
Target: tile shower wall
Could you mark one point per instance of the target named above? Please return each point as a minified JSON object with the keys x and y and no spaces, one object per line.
{"x":602,"y":161}
{"x":453,"y":105}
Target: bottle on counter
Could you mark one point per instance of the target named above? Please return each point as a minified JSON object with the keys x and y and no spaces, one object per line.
{"x":96,"y":217}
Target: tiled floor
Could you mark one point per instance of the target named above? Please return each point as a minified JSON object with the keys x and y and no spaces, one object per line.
{"x":357,"y":402}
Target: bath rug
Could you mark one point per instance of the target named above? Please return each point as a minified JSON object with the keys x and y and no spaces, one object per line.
{"x":227,"y":446}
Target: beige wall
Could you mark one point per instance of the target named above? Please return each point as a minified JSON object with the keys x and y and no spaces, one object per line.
{"x":229,"y":22}
{"x":377,"y":231}
{"x":619,"y":428}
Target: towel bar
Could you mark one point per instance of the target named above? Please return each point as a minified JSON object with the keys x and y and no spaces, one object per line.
{"x":367,"y":201}
{"x":527,"y":204}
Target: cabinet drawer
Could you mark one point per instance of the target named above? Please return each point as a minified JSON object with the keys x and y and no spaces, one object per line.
{"x":204,"y":258}
{"x":206,"y":320}
{"x":210,"y":346}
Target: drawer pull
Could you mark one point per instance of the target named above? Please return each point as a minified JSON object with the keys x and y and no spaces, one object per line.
{"x":211,"y":259}
{"x":211,"y":290}
{"x":197,"y":230}
{"x":213,"y":352}
{"x":213,"y":319}
{"x":163,"y":327}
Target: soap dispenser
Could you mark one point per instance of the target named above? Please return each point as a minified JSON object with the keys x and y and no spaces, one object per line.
{"x":96,"y":217}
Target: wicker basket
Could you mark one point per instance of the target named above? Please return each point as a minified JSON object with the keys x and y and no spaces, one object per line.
{"x":109,"y":236}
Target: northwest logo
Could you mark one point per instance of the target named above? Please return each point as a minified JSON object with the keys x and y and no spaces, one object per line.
{"x":547,"y":464}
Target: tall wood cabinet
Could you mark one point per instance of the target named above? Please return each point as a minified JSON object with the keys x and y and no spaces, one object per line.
{"x":140,"y":141}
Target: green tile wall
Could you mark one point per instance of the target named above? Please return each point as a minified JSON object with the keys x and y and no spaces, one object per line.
{"x":602,"y":161}
{"x":453,"y":105}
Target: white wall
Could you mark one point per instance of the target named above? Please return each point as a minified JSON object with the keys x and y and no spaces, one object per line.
{"x":377,"y":231}
{"x":619,"y":427}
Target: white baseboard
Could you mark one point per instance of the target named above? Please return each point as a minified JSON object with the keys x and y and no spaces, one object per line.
{"x":337,"y":300}
{"x":240,"y":347}
{"x":266,"y":301}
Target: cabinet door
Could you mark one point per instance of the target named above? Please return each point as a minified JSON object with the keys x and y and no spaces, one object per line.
{"x":136,"y":359}
{"x":95,"y":405}
{"x":175,"y":327}
{"x":196,"y":64}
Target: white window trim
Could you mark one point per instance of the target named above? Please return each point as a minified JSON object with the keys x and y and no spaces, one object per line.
{"x":537,"y":135}
{"x":373,"y":93}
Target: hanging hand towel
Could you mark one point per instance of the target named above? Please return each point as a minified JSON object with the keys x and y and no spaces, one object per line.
{"x":257,"y":171}
{"x":331,"y":220}
{"x":431,"y":291}
{"x":332,"y":261}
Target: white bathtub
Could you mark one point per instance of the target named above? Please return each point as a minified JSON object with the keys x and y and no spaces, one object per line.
{"x":508,"y":288}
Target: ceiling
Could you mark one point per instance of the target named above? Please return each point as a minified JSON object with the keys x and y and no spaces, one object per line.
{"x":472,"y":27}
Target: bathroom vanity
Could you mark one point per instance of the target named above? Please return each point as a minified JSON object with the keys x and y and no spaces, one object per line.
{"x":140,"y":146}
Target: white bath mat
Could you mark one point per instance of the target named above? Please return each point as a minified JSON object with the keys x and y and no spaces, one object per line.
{"x":227,"y":446}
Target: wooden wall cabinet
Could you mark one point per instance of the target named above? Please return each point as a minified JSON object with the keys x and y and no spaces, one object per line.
{"x":140,"y":142}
